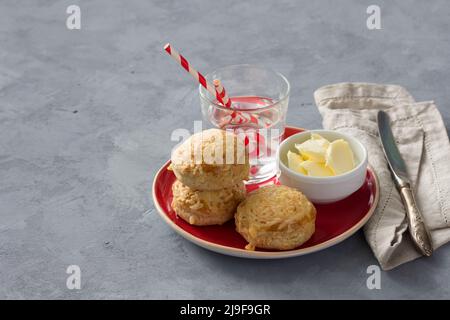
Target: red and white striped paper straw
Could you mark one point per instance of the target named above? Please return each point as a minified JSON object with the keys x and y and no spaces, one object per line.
{"x":223,"y":94}
{"x":236,"y":117}
{"x":197,"y":75}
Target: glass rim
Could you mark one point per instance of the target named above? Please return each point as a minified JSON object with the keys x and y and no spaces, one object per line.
{"x":203,"y":91}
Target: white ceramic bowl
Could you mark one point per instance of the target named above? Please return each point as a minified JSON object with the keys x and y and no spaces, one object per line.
{"x":323,"y":189}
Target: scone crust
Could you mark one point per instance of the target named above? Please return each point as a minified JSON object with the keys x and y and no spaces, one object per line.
{"x":275,"y":217}
{"x":204,"y":208}
{"x":194,"y":169}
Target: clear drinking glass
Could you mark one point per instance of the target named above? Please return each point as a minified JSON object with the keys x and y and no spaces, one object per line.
{"x":260,"y":100}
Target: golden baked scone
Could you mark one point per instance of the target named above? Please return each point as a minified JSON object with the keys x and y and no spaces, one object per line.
{"x":211,"y":160}
{"x":275,"y":217}
{"x":203,"y":208}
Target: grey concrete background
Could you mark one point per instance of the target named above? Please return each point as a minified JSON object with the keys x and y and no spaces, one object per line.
{"x":86,"y":118}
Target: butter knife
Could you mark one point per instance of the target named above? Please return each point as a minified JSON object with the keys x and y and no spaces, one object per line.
{"x":417,"y":228}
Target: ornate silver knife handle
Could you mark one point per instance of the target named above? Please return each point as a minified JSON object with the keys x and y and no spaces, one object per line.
{"x":417,"y":228}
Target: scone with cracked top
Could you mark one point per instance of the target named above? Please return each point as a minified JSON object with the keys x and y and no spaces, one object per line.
{"x":211,"y":160}
{"x":275,"y":217}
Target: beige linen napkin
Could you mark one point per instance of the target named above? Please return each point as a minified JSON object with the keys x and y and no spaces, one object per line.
{"x":424,"y":145}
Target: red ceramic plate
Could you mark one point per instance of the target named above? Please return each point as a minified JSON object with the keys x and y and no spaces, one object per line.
{"x":335,"y":222}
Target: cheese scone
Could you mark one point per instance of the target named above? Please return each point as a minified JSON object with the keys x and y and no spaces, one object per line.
{"x":211,"y":160}
{"x":275,"y":217}
{"x":204,"y":208}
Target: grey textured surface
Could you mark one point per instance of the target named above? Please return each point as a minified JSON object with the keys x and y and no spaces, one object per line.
{"x":75,"y":186}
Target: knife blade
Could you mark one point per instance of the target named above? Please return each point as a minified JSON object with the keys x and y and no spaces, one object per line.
{"x":417,"y":229}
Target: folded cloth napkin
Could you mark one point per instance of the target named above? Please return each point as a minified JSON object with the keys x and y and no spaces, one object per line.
{"x":423,"y":142}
